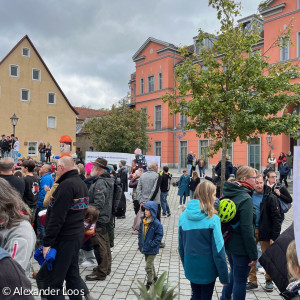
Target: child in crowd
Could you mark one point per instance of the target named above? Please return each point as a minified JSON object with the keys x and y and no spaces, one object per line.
{"x":86,"y":251}
{"x":293,"y":290}
{"x":183,"y":188}
{"x":150,"y":237}
{"x":201,"y":244}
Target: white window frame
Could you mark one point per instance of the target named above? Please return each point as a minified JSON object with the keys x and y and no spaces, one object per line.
{"x":155,"y":148}
{"x":160,"y":81}
{"x":160,"y":117}
{"x":298,"y":4}
{"x":48,"y":122}
{"x":40,"y":74}
{"x":142,"y":86}
{"x":18,"y":71}
{"x":148,"y":85}
{"x":28,"y":52}
{"x":281,"y":51}
{"x":21,"y":96}
{"x":54,"y":98}
{"x":36,"y":148}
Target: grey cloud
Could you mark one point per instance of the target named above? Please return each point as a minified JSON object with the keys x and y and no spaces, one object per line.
{"x":91,"y":43}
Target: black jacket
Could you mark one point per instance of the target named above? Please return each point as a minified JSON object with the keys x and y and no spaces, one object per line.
{"x":13,"y":278}
{"x":66,"y":211}
{"x":193,"y":184}
{"x":270,"y":218}
{"x":15,"y":182}
{"x":122,"y":174}
{"x":228,"y":169}
{"x":165,"y":182}
{"x":284,"y":194}
{"x":274,"y":259}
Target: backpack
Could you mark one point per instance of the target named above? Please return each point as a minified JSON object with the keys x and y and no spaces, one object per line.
{"x":284,"y":207}
{"x":117,"y":195}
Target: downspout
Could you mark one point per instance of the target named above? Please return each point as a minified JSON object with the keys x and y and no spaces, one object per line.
{"x":174,"y":117}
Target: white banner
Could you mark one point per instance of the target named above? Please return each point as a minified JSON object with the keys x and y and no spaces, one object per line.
{"x":296,"y":198}
{"x":113,"y":158}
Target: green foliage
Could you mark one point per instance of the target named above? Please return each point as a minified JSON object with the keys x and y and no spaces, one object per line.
{"x":157,"y":291}
{"x":123,"y":129}
{"x":229,"y":91}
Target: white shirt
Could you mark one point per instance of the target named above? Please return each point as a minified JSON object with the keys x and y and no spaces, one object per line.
{"x":16,"y":146}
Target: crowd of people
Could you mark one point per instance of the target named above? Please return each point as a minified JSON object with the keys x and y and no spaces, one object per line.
{"x":64,"y":213}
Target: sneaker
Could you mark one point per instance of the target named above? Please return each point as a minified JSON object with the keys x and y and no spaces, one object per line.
{"x":269,"y":286}
{"x":164,"y":216}
{"x":169,"y":215}
{"x":251,"y":286}
{"x":179,"y":206}
{"x":148,"y":285}
{"x":261,"y":270}
{"x":89,"y":263}
{"x":135,"y":232}
{"x":111,"y":249}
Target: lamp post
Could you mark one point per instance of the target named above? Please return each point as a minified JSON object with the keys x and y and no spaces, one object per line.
{"x":269,"y":141}
{"x":179,"y":133}
{"x":14,"y":121}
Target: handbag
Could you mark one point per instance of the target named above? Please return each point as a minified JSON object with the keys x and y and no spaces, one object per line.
{"x":284,"y":207}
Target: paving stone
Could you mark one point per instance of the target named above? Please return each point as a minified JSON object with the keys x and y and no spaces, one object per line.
{"x":128,"y":263}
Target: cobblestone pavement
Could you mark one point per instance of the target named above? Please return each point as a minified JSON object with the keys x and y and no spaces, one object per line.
{"x":128,"y":264}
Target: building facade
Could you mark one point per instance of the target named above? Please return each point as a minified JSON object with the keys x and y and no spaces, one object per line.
{"x":83,"y":143}
{"x":28,"y":89}
{"x":154,"y":76}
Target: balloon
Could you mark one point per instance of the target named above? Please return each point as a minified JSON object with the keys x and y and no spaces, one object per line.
{"x":19,"y":154}
{"x":55,"y":156}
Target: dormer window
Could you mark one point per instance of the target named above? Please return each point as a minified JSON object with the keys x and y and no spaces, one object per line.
{"x":207,"y":42}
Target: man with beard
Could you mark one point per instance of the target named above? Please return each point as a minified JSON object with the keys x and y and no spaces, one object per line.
{"x":267,"y":226}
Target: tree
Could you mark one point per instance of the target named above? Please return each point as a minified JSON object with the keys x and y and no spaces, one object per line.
{"x":229,"y":91}
{"x":122,"y":129}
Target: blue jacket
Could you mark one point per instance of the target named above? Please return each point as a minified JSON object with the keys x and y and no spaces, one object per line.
{"x":45,"y":180}
{"x":154,"y":233}
{"x":183,"y":185}
{"x":201,"y":246}
{"x":284,"y":169}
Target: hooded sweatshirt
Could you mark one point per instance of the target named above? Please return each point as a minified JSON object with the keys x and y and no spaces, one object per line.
{"x":201,"y":246}
{"x":242,"y":240}
{"x":151,"y":232}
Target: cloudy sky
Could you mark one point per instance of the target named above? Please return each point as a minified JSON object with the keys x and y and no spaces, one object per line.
{"x":88,"y":45}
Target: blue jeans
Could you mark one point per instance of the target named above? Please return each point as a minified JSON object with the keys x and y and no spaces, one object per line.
{"x":290,"y":173}
{"x":202,"y":291}
{"x":41,"y":228}
{"x":239,"y":271}
{"x":192,"y":194}
{"x":164,"y":203}
{"x":189,"y":166}
{"x":184,"y":199}
{"x":201,"y":171}
{"x":42,"y":157}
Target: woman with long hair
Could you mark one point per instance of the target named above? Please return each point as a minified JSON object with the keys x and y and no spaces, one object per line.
{"x":241,"y":246}
{"x":16,"y":234}
{"x":195,"y":180}
{"x":201,"y":244}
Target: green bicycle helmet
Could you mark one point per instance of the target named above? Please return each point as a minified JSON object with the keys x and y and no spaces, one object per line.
{"x":227,"y":210}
